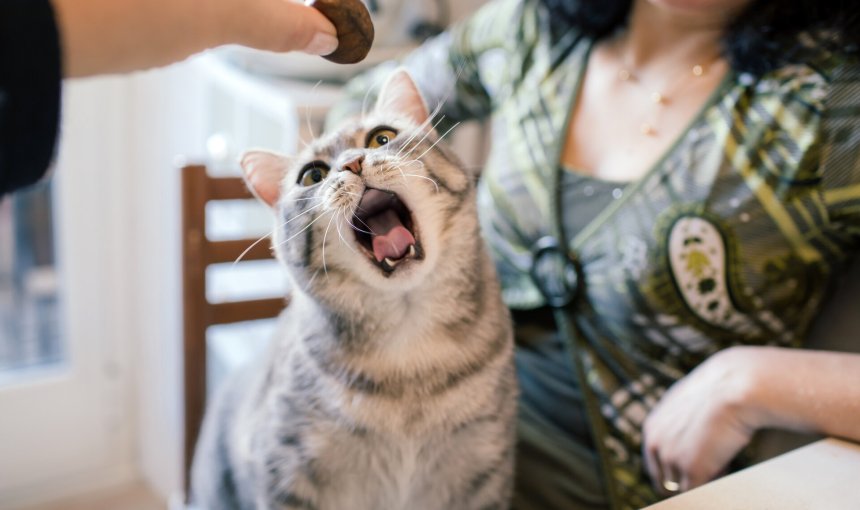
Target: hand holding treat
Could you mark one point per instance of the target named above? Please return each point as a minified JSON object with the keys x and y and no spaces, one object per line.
{"x":110,"y":36}
{"x":354,"y":28}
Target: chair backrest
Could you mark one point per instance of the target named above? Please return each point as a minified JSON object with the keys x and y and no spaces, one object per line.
{"x":198,"y":252}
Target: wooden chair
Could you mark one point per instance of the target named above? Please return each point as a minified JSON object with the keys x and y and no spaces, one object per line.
{"x":198,"y":252}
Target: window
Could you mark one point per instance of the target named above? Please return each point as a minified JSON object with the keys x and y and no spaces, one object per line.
{"x":30,"y":333}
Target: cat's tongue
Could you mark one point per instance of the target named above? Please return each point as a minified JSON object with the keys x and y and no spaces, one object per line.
{"x":390,"y":238}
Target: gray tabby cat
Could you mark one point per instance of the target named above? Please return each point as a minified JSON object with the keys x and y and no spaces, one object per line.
{"x":390,"y":384}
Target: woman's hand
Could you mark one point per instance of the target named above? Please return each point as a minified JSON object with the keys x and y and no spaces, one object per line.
{"x":701,"y":423}
{"x":112,"y":36}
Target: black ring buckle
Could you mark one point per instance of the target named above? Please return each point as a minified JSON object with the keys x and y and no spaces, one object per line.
{"x":556,"y":274}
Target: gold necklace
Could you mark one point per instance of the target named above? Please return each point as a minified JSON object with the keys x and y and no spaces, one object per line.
{"x":660,"y":100}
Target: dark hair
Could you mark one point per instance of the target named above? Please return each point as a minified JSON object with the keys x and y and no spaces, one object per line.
{"x":765,"y":36}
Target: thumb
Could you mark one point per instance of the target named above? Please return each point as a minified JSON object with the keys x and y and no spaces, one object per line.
{"x":285,"y":25}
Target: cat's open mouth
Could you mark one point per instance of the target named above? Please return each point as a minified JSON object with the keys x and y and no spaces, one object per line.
{"x":385,"y":230}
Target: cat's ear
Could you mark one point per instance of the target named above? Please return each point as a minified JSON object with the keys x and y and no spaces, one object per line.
{"x":264,"y":171}
{"x":400,"y":95}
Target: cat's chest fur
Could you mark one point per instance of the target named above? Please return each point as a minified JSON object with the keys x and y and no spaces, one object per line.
{"x":367,"y":470}
{"x":375,"y":434}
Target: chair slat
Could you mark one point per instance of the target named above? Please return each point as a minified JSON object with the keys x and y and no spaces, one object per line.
{"x":198,"y":188}
{"x":228,"y":188}
{"x":218,"y":252}
{"x":239,"y":311}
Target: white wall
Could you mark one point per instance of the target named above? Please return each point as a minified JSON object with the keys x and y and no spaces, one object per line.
{"x":166,"y":121}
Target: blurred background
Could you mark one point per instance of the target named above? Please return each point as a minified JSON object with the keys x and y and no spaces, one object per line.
{"x":91,"y":264}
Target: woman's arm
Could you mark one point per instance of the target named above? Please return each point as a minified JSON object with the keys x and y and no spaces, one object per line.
{"x":806,"y":391}
{"x":705,"y":419}
{"x":112,"y":36}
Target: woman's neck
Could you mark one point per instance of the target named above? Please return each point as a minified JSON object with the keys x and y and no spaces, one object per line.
{"x":657,"y":33}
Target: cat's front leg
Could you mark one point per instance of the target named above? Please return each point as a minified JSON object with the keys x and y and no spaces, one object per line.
{"x":292,"y":498}
{"x":287,"y":494}
{"x":287,"y":476}
{"x":492,"y":487}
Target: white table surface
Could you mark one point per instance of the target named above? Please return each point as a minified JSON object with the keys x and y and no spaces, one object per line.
{"x":824,"y":475}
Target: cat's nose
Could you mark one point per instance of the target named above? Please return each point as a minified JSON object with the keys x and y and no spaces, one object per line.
{"x":354,"y":165}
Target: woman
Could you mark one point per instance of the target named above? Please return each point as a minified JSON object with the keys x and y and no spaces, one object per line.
{"x":671,"y":189}
{"x":43,"y":41}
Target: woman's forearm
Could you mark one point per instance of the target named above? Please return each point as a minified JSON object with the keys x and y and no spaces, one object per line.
{"x":111,"y":36}
{"x":803,"y":390}
{"x":707,"y":417}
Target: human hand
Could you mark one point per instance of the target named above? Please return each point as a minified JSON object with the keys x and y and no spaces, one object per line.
{"x":701,"y":422}
{"x":114,"y":36}
{"x":274,"y":25}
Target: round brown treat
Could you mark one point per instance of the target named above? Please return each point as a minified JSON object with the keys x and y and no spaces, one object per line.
{"x":354,"y":28}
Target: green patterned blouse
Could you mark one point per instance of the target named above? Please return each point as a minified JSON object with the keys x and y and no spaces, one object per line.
{"x":732,"y":237}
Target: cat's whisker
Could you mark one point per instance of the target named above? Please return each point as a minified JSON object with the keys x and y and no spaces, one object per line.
{"x":407,"y":164}
{"x":436,"y":184}
{"x":402,"y":176}
{"x":422,"y":127}
{"x":325,"y":235}
{"x":410,"y":162}
{"x":426,"y":134}
{"x":308,"y":111}
{"x":300,"y":199}
{"x":303,"y":213}
{"x":310,"y":208}
{"x":340,"y":234}
{"x":399,"y":167}
{"x":417,"y":131}
{"x":311,"y":280}
{"x":439,"y":140}
{"x":300,"y":231}
{"x":269,"y":234}
{"x":431,"y":116}
{"x":351,"y":224}
{"x":370,"y":90}
{"x":249,"y":248}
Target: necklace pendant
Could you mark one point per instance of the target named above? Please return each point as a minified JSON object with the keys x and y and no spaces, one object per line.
{"x":647,"y":129}
{"x":624,"y":75}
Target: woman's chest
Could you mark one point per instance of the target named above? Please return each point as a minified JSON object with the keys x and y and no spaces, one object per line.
{"x":621,"y":124}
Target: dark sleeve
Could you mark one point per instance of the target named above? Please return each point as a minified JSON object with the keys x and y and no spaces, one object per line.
{"x":30,"y":74}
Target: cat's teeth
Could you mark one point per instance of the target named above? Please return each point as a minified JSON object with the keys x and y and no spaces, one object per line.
{"x":393,"y":263}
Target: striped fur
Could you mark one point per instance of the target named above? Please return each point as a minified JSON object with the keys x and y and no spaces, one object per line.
{"x":382,"y":391}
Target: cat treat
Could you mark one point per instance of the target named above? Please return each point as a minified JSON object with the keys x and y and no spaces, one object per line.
{"x":354,"y":28}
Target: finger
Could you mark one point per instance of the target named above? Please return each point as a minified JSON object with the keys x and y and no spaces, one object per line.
{"x":672,"y":480}
{"x":283,"y":25}
{"x":693,"y":479}
{"x":652,"y":465}
{"x":686,"y":482}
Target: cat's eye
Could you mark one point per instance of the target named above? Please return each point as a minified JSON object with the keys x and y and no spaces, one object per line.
{"x":379,"y":137}
{"x":313,"y":173}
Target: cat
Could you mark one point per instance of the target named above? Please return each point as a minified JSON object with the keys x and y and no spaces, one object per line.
{"x":390,"y":382}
